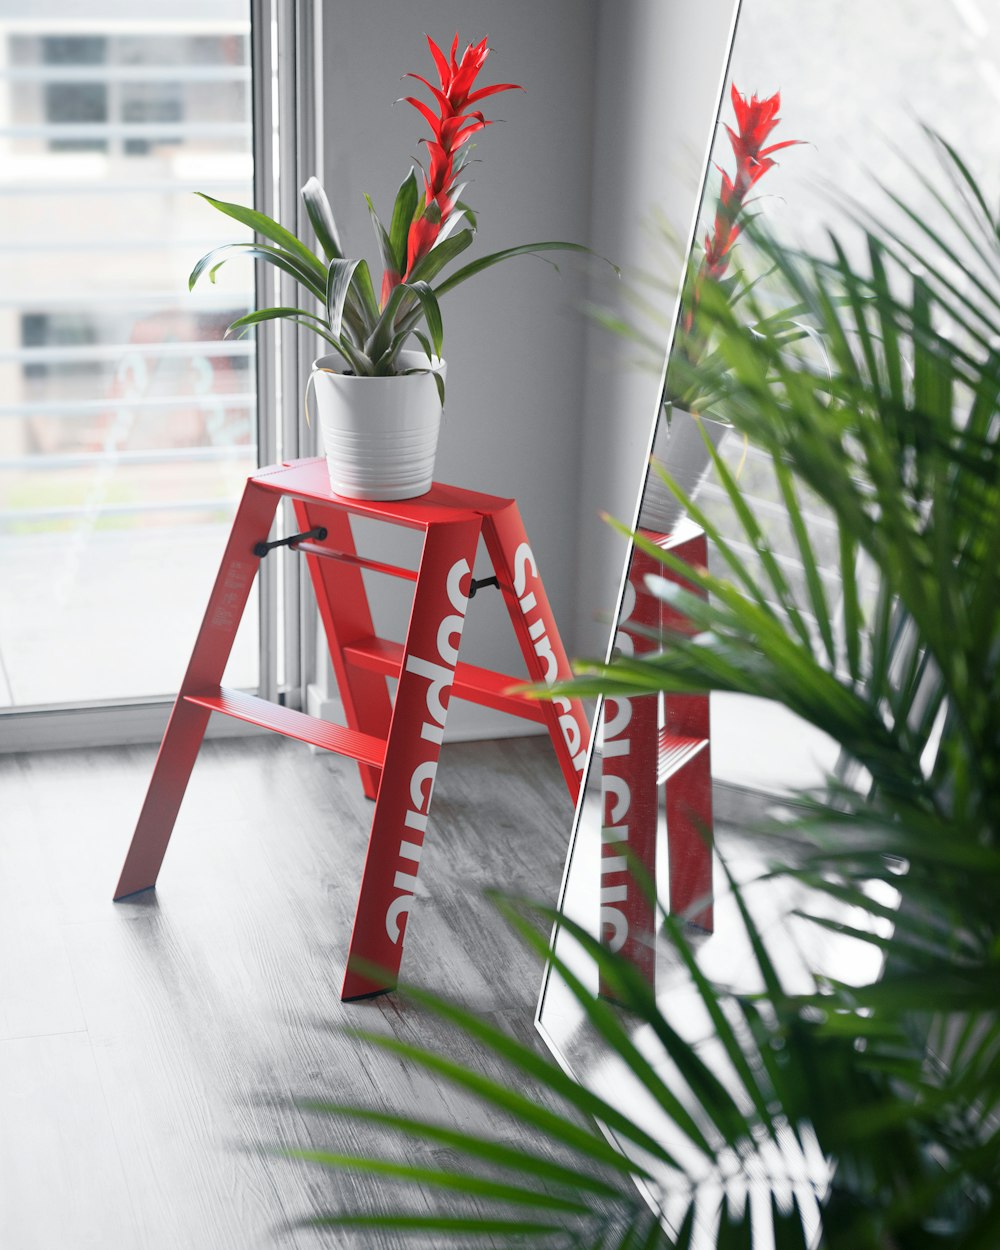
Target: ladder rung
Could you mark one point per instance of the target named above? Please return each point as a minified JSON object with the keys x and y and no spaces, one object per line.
{"x":472,"y":683}
{"x":285,"y":720}
{"x":675,"y":752}
{"x":363,"y":562}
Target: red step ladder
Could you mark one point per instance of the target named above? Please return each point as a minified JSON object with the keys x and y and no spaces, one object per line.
{"x":652,"y":746}
{"x":396,"y":742}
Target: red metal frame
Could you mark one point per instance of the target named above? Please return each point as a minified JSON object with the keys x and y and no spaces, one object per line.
{"x":629,"y":789}
{"x":535,"y":627}
{"x":685,"y":768}
{"x":643,"y":751}
{"x":396,"y":742}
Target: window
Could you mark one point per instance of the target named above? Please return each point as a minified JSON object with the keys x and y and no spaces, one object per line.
{"x":128,"y":422}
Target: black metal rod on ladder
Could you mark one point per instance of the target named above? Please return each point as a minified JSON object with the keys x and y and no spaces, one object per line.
{"x":476,"y":585}
{"x":262,"y":548}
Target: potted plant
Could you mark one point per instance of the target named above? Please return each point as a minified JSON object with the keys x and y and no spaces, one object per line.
{"x":380,"y":389}
{"x":687,"y":427}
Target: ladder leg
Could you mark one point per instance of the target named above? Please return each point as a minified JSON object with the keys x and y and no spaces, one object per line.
{"x":688,"y":797}
{"x":344,"y":611}
{"x":535,"y":627}
{"x":688,"y":791}
{"x":414,"y":743}
{"x":630,"y":809}
{"x":186,"y":727}
{"x":630,"y":793}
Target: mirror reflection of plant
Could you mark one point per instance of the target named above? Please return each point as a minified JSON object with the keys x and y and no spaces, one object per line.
{"x":429,"y":228}
{"x":644,"y":298}
{"x":755,"y":120}
{"x":896,"y":1081}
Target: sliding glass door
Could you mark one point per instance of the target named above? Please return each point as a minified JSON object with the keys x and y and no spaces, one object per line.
{"x":128,"y":423}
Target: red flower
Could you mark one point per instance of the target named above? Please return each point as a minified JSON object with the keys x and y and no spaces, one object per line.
{"x":452,"y":126}
{"x":755,"y":119}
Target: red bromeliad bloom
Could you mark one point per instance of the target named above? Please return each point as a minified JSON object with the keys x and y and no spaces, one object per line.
{"x":453,"y":125}
{"x":755,"y":119}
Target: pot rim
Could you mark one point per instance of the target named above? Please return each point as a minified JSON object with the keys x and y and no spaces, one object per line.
{"x":409,"y":357}
{"x":670,"y":408}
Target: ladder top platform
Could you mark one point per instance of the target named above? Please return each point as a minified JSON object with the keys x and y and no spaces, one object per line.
{"x":309,"y":480}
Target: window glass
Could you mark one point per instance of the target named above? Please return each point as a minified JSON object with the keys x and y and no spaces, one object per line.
{"x":127,"y":419}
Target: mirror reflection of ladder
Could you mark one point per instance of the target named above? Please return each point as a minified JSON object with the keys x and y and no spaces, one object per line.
{"x":655,"y":745}
{"x":395,"y":741}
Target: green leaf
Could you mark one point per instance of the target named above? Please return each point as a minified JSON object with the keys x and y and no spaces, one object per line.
{"x":961,"y":176}
{"x":486,"y":262}
{"x":383,"y":335}
{"x":321,"y":216}
{"x":517,"y":1158}
{"x":548,"y":1074}
{"x":684,"y":1239}
{"x":440,"y":255}
{"x":387,"y":337}
{"x":432,"y":312}
{"x":438,"y":381}
{"x":852,"y":616}
{"x":810,"y":565}
{"x":282,"y":260}
{"x":470,"y":215}
{"x":340,"y":277}
{"x":385,"y":248}
{"x":361,"y":364}
{"x":789,"y":1226}
{"x":298,"y":316}
{"x":633,"y":993}
{"x":581,"y":1140}
{"x":735,"y":1230}
{"x":362,"y":296}
{"x":456,"y":217}
{"x":440,"y":1178}
{"x":261,"y":224}
{"x":715,"y":535}
{"x":757,"y":539}
{"x":449,"y":1225}
{"x":403,"y":211}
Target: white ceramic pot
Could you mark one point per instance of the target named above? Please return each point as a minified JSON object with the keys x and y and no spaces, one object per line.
{"x":680,"y":448}
{"x":379,"y":434}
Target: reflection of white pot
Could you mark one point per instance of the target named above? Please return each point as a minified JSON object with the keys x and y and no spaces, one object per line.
{"x":681,"y":449}
{"x":379,"y":434}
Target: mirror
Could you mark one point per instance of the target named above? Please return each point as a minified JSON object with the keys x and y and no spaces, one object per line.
{"x":663,"y":771}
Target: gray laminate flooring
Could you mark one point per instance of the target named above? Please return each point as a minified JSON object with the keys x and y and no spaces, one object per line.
{"x":146,"y":1046}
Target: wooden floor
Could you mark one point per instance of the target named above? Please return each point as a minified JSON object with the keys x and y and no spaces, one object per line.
{"x":145,"y":1046}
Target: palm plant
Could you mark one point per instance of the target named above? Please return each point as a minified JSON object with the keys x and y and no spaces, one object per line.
{"x":893,"y":1084}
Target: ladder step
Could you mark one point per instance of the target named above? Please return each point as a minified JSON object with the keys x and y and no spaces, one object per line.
{"x":285,"y":720}
{"x":472,"y":683}
{"x":675,"y":752}
{"x":361,"y":562}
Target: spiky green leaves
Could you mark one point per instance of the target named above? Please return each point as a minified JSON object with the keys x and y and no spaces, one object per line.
{"x":320,"y":214}
{"x":367,"y":333}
